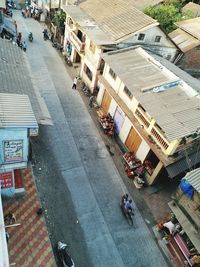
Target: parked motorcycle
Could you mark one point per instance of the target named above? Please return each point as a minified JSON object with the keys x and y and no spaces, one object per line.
{"x":127,"y":213}
{"x":68,"y":61}
{"x":64,"y":257}
{"x":30,"y":37}
{"x":45,"y":35}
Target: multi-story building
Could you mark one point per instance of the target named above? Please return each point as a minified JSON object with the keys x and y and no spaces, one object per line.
{"x":116,"y":25}
{"x":156,"y":109}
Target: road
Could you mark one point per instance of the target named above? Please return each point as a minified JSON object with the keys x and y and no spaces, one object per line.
{"x":78,"y":183}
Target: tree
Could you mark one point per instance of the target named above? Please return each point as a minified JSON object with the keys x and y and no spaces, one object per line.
{"x":167,"y":14}
{"x":59,"y":19}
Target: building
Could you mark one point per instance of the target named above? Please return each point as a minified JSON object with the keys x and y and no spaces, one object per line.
{"x":17,"y":125}
{"x":186,"y":207}
{"x":187,"y":38}
{"x":142,"y":4}
{"x":192,"y":8}
{"x":88,"y":34}
{"x":156,"y":109}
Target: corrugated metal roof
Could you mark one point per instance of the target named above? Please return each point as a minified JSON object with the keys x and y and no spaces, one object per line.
{"x":190,"y":26}
{"x":183,"y":164}
{"x":117,"y":18}
{"x":193,"y":7}
{"x":14,"y":74}
{"x":193,"y":177}
{"x":16,"y":111}
{"x":184,"y":40}
{"x":176,"y":109}
{"x":88,"y":25}
{"x":141,"y":4}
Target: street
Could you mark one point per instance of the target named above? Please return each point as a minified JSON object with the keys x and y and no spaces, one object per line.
{"x":78,"y":183}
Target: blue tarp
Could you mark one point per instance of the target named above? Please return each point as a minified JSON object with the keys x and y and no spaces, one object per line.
{"x":186,"y":188}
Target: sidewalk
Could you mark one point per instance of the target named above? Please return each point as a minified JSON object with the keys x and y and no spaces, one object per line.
{"x":29,"y":243}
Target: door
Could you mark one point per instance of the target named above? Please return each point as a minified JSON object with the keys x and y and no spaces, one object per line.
{"x":119,"y":118}
{"x":106,"y":102}
{"x":133,"y":141}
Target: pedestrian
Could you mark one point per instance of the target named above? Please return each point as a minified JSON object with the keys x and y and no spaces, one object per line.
{"x":91,"y":99}
{"x":75,"y":83}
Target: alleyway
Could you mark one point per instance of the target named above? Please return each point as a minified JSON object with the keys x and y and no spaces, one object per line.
{"x":78,"y":182}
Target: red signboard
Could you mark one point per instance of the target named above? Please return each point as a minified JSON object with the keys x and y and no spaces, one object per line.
{"x":6,"y":180}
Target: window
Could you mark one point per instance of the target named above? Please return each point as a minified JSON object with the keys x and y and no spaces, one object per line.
{"x":92,"y":47}
{"x":141,"y":36}
{"x":88,"y":72}
{"x":127,"y":92}
{"x":157,"y":39}
{"x":111,"y":72}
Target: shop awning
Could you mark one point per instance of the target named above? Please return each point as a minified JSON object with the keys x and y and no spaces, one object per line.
{"x":183,"y":165}
{"x":193,"y":178}
{"x":4,"y":260}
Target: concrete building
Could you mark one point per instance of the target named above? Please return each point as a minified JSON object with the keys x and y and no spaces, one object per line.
{"x":17,"y":125}
{"x":116,"y":25}
{"x":155,"y":107}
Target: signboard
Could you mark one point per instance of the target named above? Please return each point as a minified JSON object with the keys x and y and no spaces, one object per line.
{"x":6,"y":180}
{"x":33,"y":131}
{"x":13,"y":151}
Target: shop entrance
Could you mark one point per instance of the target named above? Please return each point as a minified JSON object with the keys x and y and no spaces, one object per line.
{"x":133,"y":141}
{"x":106,"y":102}
{"x":77,"y":58}
{"x":119,"y":118}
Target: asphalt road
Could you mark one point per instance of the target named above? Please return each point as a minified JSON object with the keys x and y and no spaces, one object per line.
{"x":78,"y":183}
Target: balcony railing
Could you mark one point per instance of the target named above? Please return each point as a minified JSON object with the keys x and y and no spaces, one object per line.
{"x":80,"y":46}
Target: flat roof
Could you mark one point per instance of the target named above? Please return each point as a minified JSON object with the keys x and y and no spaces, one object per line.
{"x":88,"y":25}
{"x":117,"y":18}
{"x":16,"y":111}
{"x":174,"y":105}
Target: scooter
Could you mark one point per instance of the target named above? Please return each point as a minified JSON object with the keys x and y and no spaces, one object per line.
{"x":127,"y":213}
{"x":30,"y":37}
{"x":64,"y":257}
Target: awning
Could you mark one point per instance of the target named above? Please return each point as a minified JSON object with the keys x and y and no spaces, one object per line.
{"x":9,"y":25}
{"x":184,"y":164}
{"x":193,"y":178}
{"x":4,"y":260}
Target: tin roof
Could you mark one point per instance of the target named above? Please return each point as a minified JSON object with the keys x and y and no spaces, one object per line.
{"x":88,"y":25}
{"x":193,"y":177}
{"x":163,"y":94}
{"x":184,"y":40}
{"x":193,"y":7}
{"x":117,"y":18}
{"x":190,"y":26}
{"x":16,"y":111}
{"x":14,"y":74}
{"x":141,"y":4}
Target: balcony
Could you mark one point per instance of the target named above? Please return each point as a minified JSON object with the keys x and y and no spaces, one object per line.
{"x":79,"y":45}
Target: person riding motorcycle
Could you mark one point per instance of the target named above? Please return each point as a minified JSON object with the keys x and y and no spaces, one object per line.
{"x":30,"y":36}
{"x":129,"y":206}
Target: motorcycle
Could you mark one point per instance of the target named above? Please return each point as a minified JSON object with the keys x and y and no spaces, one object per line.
{"x":64,"y":257}
{"x":68,"y":61}
{"x":127,"y":213}
{"x":30,"y":37}
{"x":45,"y":35}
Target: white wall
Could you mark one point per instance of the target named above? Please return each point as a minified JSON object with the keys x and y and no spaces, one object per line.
{"x":112,"y":108}
{"x":123,"y":134}
{"x":165,"y":47}
{"x":143,"y":150}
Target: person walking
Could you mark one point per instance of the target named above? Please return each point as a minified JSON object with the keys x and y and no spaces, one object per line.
{"x":75,"y":83}
{"x":91,"y":99}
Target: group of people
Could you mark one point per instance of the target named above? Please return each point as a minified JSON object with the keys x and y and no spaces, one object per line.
{"x":30,"y":11}
{"x":108,"y":123}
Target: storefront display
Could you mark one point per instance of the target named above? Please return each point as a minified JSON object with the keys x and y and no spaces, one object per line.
{"x":107,"y":123}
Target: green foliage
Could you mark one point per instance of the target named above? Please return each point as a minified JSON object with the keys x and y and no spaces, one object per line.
{"x":168,"y":14}
{"x":59,"y":19}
